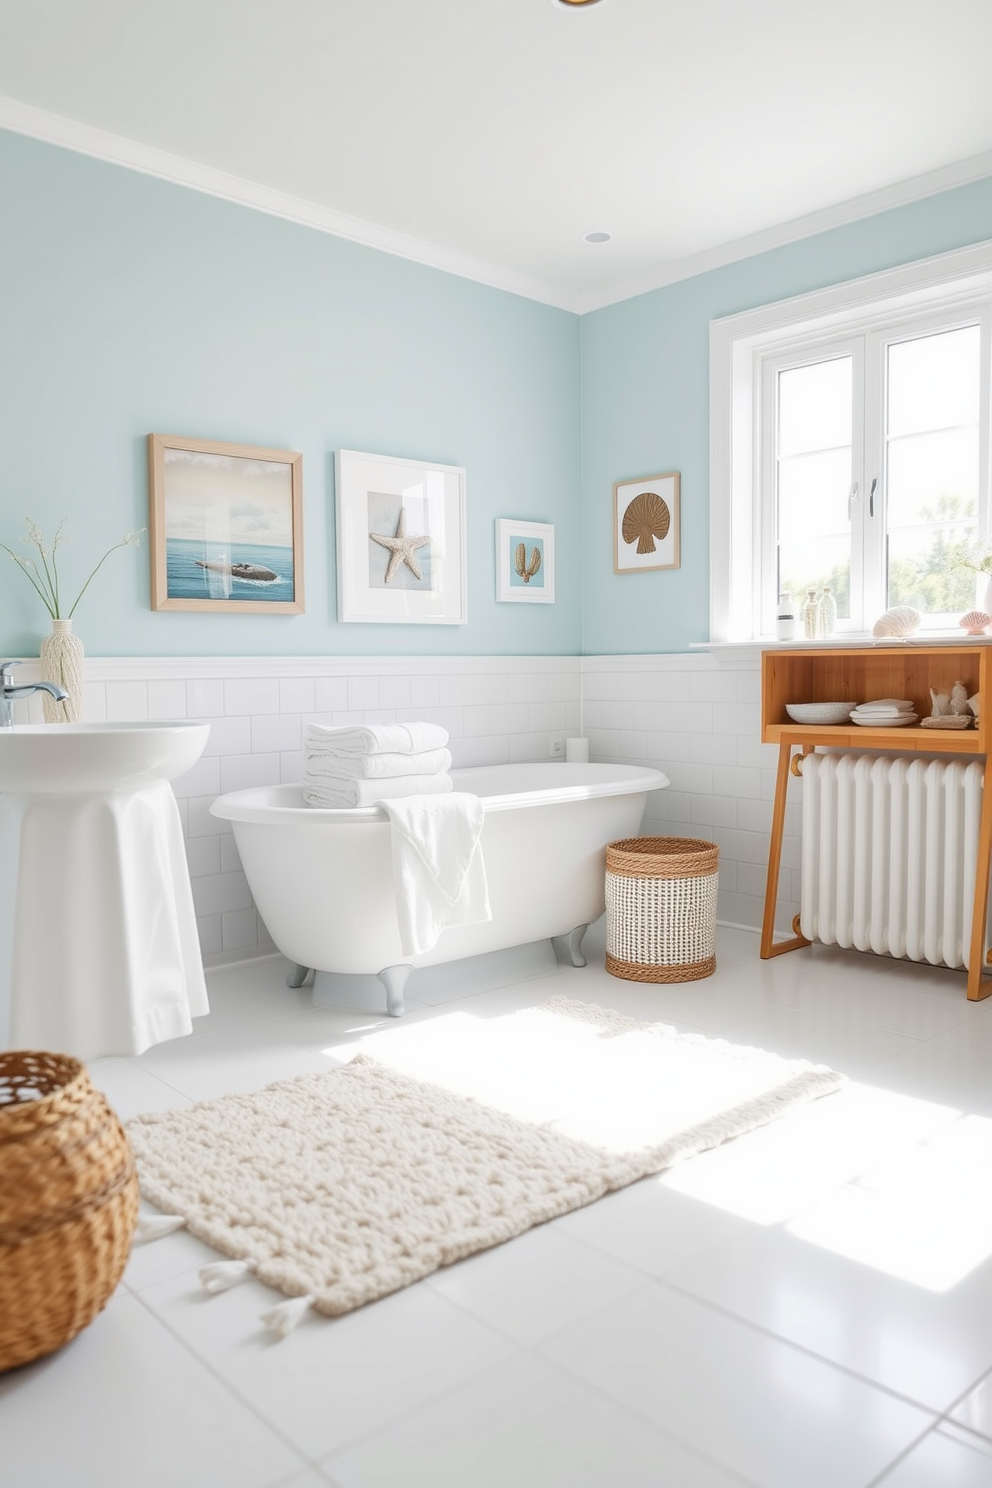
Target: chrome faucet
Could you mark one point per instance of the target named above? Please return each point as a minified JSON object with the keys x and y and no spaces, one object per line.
{"x":8,"y":692}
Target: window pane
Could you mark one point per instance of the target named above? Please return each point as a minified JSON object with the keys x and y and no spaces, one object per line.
{"x":924,"y":572}
{"x":813,"y":527}
{"x":814,"y":407}
{"x":933,"y":381}
{"x":933,"y":477}
{"x":932,"y":470}
{"x":814,"y":438}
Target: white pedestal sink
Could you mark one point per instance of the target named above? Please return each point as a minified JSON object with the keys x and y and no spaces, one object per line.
{"x":98,"y":946}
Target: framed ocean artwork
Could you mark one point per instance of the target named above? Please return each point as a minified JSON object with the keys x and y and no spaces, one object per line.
{"x":226,"y":524}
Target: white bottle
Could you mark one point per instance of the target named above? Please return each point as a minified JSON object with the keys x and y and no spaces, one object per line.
{"x":827,"y":618}
{"x":785,"y":623}
{"x":811,"y":616}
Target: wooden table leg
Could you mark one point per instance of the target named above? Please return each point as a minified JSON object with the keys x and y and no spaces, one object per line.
{"x":769,"y":946}
{"x":979,"y":986}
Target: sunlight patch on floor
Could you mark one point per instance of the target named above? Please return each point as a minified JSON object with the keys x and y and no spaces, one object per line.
{"x":778,"y":1172}
{"x":924,"y":1216}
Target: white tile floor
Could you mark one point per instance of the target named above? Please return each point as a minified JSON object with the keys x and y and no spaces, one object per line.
{"x":806,"y":1307}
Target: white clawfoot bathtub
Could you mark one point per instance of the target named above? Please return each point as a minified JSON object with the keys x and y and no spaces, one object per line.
{"x":322,"y":879}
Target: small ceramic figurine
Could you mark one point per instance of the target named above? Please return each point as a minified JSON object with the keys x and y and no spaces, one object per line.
{"x":959,"y":700}
{"x":941,"y":704}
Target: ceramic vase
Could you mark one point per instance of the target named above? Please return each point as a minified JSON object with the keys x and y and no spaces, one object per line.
{"x":61,"y":661}
{"x":826,"y":613}
{"x":810,"y":616}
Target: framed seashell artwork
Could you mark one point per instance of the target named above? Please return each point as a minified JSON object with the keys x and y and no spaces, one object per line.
{"x":646,"y":523}
{"x":525,"y":562}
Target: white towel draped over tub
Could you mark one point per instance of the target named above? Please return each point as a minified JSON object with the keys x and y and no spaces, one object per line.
{"x":439,"y":874}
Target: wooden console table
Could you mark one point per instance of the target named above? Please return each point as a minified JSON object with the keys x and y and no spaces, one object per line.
{"x":901,"y":670}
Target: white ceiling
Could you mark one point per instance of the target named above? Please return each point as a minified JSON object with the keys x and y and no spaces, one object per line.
{"x":488,"y":136}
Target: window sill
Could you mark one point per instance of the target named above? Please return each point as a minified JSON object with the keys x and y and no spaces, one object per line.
{"x":751,"y":650}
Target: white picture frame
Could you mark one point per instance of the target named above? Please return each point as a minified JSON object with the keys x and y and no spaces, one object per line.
{"x":522,"y":578}
{"x":401,"y":552}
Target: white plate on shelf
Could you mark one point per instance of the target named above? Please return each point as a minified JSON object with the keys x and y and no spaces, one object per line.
{"x":903,"y":722}
{"x":819,"y":712}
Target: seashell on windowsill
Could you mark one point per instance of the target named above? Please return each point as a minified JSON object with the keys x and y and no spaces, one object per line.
{"x":976,"y":622}
{"x":898,"y":623}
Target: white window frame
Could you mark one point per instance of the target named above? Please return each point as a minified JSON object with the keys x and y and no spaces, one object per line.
{"x":943,"y":287}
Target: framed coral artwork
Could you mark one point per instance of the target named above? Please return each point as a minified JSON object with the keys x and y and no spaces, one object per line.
{"x":646,"y":523}
{"x":525,"y":562}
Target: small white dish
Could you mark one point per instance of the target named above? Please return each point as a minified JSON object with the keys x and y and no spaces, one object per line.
{"x":901,"y":721}
{"x":819,"y":712}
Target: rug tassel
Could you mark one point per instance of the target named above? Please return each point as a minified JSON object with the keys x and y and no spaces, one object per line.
{"x":154,"y":1226}
{"x":284,"y":1318}
{"x":222,"y":1275}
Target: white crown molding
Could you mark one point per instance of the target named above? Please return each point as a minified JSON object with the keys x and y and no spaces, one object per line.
{"x":102,"y":144}
{"x":914,"y":188}
{"x":116,"y":149}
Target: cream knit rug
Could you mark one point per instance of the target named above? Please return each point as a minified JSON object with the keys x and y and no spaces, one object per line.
{"x":463,"y":1132}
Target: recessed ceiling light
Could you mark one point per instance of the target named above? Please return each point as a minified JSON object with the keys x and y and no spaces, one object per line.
{"x":576,"y":4}
{"x":596,"y":237}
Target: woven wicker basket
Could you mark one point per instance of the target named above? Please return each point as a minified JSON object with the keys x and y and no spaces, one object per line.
{"x":661,"y":908}
{"x":68,"y":1203}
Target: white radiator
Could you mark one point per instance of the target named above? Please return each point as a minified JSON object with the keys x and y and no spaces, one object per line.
{"x":889,"y":850}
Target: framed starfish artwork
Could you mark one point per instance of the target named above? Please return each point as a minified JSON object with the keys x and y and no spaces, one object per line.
{"x":400,"y":540}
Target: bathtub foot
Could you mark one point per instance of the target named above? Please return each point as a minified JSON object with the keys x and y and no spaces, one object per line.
{"x":297,"y":976}
{"x":393,"y":978}
{"x":571,"y":944}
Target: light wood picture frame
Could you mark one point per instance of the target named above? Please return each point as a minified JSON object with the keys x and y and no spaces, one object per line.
{"x":525,"y":562}
{"x":646,"y":524}
{"x":226,"y":525}
{"x":401,"y":541}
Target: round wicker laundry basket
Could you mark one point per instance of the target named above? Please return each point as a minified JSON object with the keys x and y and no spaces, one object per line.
{"x":661,"y":908}
{"x":68,"y":1203}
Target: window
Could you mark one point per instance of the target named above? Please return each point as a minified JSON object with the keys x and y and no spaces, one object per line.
{"x":850,"y":443}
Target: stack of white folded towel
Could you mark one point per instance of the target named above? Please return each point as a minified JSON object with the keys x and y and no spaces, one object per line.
{"x":360,"y":766}
{"x":892,"y":711}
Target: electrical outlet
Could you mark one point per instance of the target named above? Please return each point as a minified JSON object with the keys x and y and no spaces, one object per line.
{"x":556,"y":746}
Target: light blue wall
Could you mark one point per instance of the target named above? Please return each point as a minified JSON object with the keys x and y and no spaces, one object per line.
{"x":645,"y":401}
{"x":128,"y":305}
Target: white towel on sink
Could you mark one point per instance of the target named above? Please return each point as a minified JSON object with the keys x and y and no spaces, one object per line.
{"x":439,"y":875}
